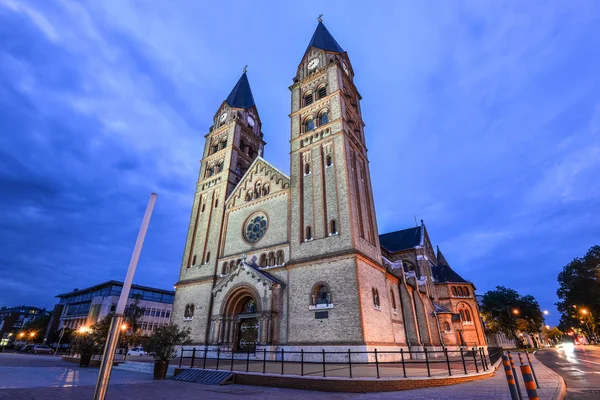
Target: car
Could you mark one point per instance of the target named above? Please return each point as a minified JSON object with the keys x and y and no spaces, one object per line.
{"x":41,"y":349}
{"x":28,"y":348}
{"x":137,"y":351}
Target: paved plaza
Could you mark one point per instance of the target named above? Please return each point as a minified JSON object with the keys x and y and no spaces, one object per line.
{"x":46,"y":377}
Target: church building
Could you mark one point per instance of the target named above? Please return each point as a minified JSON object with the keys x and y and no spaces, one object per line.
{"x":296,"y":262}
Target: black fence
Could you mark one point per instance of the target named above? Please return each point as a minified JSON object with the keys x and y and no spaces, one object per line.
{"x":348,"y":364}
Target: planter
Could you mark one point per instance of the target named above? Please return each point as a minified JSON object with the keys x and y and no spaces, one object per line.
{"x":160,"y":369}
{"x":84,"y":361}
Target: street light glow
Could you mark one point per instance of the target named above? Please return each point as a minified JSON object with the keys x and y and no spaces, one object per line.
{"x":32,"y":334}
{"x":83,"y":329}
{"x":546,"y":312}
{"x":584,"y":311}
{"x":516,"y":311}
{"x":123,"y":327}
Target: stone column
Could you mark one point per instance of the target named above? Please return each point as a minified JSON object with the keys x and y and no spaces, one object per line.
{"x":231,"y":329}
{"x":269,"y":328}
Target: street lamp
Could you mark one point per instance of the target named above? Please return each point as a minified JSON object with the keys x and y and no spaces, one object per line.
{"x":124,"y":327}
{"x":546,"y":312}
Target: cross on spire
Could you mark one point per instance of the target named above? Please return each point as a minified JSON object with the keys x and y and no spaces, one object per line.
{"x":320,"y":18}
{"x":245,"y":68}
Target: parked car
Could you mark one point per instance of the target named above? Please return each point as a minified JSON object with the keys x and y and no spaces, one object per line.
{"x":28,"y":348}
{"x":137,"y":351}
{"x":41,"y":349}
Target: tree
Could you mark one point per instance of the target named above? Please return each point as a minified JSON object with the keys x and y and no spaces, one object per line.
{"x":38,"y":325}
{"x":505,"y":310}
{"x":553,"y":334}
{"x":579,"y":292}
{"x":165,"y":339}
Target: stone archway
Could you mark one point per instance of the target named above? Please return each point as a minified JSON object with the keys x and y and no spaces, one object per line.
{"x":239,"y":323}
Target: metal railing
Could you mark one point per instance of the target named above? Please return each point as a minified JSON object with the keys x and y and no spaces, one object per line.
{"x":347,"y":364}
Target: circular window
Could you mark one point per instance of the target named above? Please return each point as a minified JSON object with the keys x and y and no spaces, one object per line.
{"x":256,"y":227}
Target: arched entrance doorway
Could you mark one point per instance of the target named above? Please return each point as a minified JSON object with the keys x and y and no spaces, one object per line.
{"x":241,"y":315}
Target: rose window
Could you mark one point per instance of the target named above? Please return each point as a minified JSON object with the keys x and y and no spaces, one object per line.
{"x":256,"y":227}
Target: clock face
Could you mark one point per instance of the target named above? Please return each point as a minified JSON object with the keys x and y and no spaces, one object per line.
{"x":223,"y":117}
{"x":250,"y":120}
{"x":312,"y":64}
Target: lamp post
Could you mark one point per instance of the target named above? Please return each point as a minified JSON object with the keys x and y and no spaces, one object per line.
{"x":513,"y":316}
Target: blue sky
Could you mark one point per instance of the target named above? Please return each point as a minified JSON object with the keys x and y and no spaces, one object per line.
{"x":483,"y":118}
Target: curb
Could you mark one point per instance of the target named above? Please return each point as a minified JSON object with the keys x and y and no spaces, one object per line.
{"x":562,"y":390}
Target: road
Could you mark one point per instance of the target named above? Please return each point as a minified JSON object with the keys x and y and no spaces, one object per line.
{"x":579,"y":367}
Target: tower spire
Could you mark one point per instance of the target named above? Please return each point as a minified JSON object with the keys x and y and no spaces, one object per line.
{"x":323,"y":40}
{"x":241,"y":95}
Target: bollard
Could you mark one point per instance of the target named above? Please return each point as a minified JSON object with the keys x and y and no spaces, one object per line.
{"x":510,"y":378}
{"x":529,"y":383}
{"x":532,"y":370}
{"x":520,"y":358}
{"x":514,"y":371}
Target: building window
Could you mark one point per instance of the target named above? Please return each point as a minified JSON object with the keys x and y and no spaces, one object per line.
{"x":257,"y":189}
{"x":224,"y":143}
{"x":408,"y":267}
{"x":446,"y":327}
{"x":220,"y":167}
{"x":189,"y":312}
{"x":280,"y":258}
{"x":162,"y":314}
{"x":308,"y":99}
{"x":207,"y":258}
{"x":262,"y":261}
{"x":393,"y":300}
{"x":309,"y":124}
{"x":321,"y":296}
{"x":168,"y":314}
{"x":324,"y":118}
{"x":266,"y":189}
{"x":215,"y":148}
{"x":224,"y":268}
{"x":249,"y":195}
{"x":203,"y":207}
{"x":322,"y":91}
{"x":307,"y":169}
{"x":328,"y":160}
{"x":271,"y":259}
{"x":376,"y":302}
{"x":308,"y":233}
{"x":216,"y":202}
{"x":454,"y":291}
{"x":333,"y":227}
{"x":194,"y":260}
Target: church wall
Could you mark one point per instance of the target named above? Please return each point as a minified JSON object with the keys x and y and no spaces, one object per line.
{"x":276,"y":209}
{"x":198,"y":294}
{"x":378,"y":321}
{"x":343,"y":325}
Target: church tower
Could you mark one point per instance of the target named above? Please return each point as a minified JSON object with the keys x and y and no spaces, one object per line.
{"x":233,"y":142}
{"x":331,"y":190}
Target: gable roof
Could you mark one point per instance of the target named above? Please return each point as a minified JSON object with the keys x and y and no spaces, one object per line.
{"x":284,"y":179}
{"x":443,"y":274}
{"x":401,"y":240}
{"x":323,"y":40}
{"x":241,"y":95}
{"x":257,"y":274}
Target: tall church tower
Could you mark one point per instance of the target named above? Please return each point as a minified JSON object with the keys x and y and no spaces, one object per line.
{"x":233,"y":142}
{"x":331,"y":186}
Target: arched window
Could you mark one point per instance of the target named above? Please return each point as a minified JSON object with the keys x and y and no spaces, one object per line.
{"x":308,"y":233}
{"x":207,"y":258}
{"x":322,"y":91}
{"x":194,"y":260}
{"x":306,"y":169}
{"x":214,"y":148}
{"x":375,"y":298}
{"x":323,"y":117}
{"x":257,"y":189}
{"x":223,"y":142}
{"x":243,"y":146}
{"x":462,"y":315}
{"x":308,"y":99}
{"x":466,"y":291}
{"x":231,"y":266}
{"x":238,"y":261}
{"x":320,"y":296}
{"x":225,"y":267}
{"x":454,"y":292}
{"x":408,"y":267}
{"x":271,"y":261}
{"x":393,"y":299}
{"x":333,"y":227}
{"x":249,"y":195}
{"x":468,"y":316}
{"x":262,"y":261}
{"x":328,"y":160}
{"x":203,"y":207}
{"x":210,"y":171}
{"x":280,"y":258}
{"x":309,"y":124}
{"x":446,"y":327}
{"x":266,"y":189}
{"x":220,"y":167}
{"x":189,"y":311}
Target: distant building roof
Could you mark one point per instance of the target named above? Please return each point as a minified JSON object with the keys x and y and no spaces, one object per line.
{"x":77,"y":292}
{"x":401,"y":240}
{"x":241,"y":95}
{"x":443,"y":274}
{"x":323,"y":40}
{"x":441,"y":310}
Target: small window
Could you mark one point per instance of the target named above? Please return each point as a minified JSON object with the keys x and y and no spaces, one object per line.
{"x":308,"y":99}
{"x":189,"y":311}
{"x":376,"y":298}
{"x":207,"y":258}
{"x":220,"y":167}
{"x":306,"y":169}
{"x":408,"y":267}
{"x":333,"y":228}
{"x":468,"y":315}
{"x":454,"y":292}
{"x":324,"y":118}
{"x":322,"y":92}
{"x":215,"y":148}
{"x":203,"y":207}
{"x":262,"y":261}
{"x":280,"y":258}
{"x":328,"y":160}
{"x":216,"y":202}
{"x":321,"y":296}
{"x":224,"y":269}
{"x":446,"y":327}
{"x":194,"y":260}
{"x":309,"y":124}
{"x":393,"y":299}
{"x":308,"y":233}
{"x":223,"y":143}
{"x":266,"y":189}
{"x":271,"y":262}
